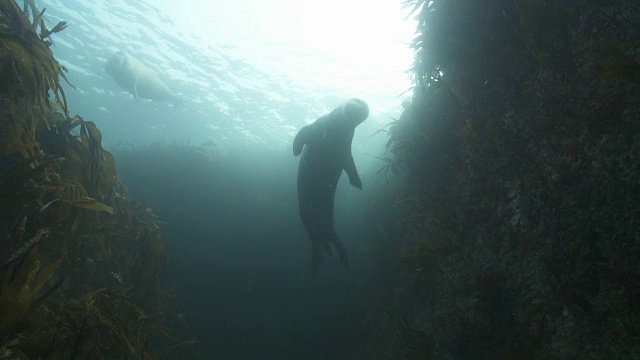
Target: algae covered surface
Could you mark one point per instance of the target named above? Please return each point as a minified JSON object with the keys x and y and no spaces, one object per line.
{"x":520,"y":147}
{"x":80,"y":269}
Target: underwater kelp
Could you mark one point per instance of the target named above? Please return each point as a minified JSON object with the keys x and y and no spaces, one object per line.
{"x":520,"y":149}
{"x":22,"y":291}
{"x":80,"y":263}
{"x":29,"y":73}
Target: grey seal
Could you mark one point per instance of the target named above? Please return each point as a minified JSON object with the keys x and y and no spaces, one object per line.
{"x":135,"y":77}
{"x":325,"y":146}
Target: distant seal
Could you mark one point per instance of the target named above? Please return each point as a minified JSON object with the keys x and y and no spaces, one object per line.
{"x":325,"y":146}
{"x":133,"y":76}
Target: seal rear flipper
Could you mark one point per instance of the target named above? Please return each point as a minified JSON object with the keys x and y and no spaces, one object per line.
{"x":327,"y":247}
{"x":316,"y":257}
{"x":177,"y":102}
{"x":342,"y":252}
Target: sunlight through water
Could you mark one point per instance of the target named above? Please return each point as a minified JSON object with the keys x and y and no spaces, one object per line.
{"x":357,"y":40}
{"x":251,"y":69}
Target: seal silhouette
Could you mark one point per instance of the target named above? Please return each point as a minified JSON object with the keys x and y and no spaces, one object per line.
{"x":132,"y":75}
{"x":325,"y":146}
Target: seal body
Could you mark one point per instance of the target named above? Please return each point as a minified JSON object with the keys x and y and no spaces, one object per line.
{"x":325,"y":146}
{"x":133,"y":76}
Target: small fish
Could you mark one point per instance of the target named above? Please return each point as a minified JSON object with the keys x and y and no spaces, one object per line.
{"x":117,"y":277}
{"x":45,"y":206}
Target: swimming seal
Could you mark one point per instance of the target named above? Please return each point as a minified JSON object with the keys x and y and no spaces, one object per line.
{"x":325,"y":146}
{"x":133,"y":76}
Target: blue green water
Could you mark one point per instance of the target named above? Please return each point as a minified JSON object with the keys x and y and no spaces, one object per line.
{"x":237,"y":254}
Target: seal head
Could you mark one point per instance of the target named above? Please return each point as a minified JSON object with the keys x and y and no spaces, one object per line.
{"x":355,"y":111}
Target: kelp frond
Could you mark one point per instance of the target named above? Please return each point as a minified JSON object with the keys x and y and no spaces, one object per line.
{"x":32,"y":73}
{"x":90,"y":204}
{"x":23,"y":285}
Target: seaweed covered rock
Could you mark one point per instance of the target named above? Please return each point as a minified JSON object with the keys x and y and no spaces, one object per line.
{"x":520,"y":146}
{"x":80,"y":263}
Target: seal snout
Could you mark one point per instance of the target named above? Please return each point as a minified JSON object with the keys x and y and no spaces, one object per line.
{"x":355,"y":110}
{"x":115,"y":63}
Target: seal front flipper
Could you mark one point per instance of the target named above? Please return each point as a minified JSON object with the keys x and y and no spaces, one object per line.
{"x":135,"y":88}
{"x":302,"y":138}
{"x":352,"y":172}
